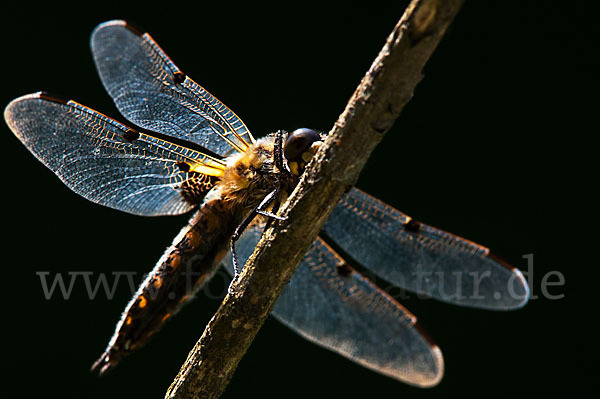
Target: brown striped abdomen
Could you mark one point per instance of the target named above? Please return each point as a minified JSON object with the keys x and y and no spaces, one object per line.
{"x":187,"y":264}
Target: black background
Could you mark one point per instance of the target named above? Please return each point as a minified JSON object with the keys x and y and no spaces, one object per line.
{"x":488,"y":149}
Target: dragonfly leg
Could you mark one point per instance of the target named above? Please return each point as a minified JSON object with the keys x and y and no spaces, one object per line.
{"x":259,"y":210}
{"x":271,"y":215}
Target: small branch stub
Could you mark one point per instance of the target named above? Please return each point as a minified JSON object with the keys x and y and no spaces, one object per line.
{"x":370,"y":112}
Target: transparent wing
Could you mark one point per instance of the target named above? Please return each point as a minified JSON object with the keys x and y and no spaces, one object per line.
{"x":151,"y":92}
{"x":421,"y":258}
{"x":105,"y":161}
{"x":334,"y":306}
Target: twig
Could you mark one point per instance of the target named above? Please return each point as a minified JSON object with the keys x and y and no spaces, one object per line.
{"x":373,"y":108}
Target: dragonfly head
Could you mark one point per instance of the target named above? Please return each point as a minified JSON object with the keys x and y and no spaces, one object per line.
{"x":299,"y":148}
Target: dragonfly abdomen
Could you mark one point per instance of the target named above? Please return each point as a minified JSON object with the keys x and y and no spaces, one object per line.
{"x":186,"y":265}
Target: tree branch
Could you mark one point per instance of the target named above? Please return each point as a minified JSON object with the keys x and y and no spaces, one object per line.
{"x":371,"y":111}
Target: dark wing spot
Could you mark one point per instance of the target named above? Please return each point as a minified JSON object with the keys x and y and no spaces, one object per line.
{"x":425,"y":335}
{"x":412,"y":226}
{"x":501,"y":261}
{"x":344,"y":270}
{"x":131,"y":135}
{"x":50,"y":97}
{"x":179,"y":77}
{"x":134,"y":29}
{"x":183,"y":166}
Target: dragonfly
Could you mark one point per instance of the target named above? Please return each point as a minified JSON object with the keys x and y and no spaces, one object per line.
{"x":186,"y":151}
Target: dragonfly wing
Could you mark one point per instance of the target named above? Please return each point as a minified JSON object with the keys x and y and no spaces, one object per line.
{"x":421,"y":258}
{"x":104,"y":160}
{"x":151,"y":92}
{"x":334,"y":306}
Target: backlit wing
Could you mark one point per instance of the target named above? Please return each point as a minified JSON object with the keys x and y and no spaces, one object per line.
{"x":151,"y":92}
{"x":421,"y":258}
{"x":107,"y":162}
{"x":332,"y":305}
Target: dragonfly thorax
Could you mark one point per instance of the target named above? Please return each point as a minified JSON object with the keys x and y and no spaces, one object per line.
{"x":249,"y":175}
{"x":252,"y":174}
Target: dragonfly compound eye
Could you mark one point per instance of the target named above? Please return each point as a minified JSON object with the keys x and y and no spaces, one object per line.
{"x":299,"y":142}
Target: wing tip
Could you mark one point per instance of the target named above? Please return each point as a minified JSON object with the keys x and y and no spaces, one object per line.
{"x":119,"y":23}
{"x":518,"y":276}
{"x":433,"y":379}
{"x":11,"y":115}
{"x":439,"y":371}
{"x":428,"y":378}
{"x":39,"y":95}
{"x":518,"y":288}
{"x":23,"y":97}
{"x":106,"y":24}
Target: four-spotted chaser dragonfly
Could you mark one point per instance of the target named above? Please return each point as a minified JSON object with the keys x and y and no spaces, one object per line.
{"x":189,"y":151}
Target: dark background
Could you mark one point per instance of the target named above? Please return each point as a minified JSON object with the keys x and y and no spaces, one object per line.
{"x":488,"y":149}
